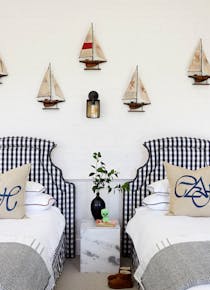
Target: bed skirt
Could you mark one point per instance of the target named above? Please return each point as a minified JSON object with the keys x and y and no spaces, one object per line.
{"x":59,"y":258}
{"x":135,"y":260}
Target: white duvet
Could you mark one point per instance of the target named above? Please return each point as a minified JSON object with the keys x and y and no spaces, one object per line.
{"x":43,"y":231}
{"x":152,"y":230}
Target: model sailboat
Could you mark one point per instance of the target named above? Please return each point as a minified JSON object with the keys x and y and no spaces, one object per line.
{"x":136,"y":96}
{"x":3,"y":70}
{"x":199,"y":68}
{"x":91,"y":53}
{"x":50,"y":93}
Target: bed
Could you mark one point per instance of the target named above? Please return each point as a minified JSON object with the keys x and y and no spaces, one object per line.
{"x":58,"y":231}
{"x":191,"y":153}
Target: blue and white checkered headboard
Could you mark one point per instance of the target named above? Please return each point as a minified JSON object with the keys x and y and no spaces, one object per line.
{"x":15,"y":151}
{"x":188,"y":152}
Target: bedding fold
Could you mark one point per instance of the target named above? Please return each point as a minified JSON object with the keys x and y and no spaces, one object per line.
{"x":22,"y":268}
{"x":187,"y":264}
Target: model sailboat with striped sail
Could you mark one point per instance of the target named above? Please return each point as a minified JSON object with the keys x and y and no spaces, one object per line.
{"x":199,"y":68}
{"x":91,"y":53}
{"x":3,"y":70}
{"x":50,"y":93}
{"x":136,"y":96}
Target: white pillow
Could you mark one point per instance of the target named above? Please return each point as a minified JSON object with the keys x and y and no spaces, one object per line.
{"x":156,"y":201}
{"x":38,"y":203}
{"x":160,"y":186}
{"x":32,"y":186}
{"x":29,"y":194}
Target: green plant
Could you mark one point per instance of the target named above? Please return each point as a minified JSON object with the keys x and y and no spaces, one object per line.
{"x":102,"y":178}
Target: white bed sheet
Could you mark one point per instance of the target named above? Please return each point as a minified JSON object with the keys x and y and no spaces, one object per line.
{"x":151,"y":230}
{"x":44,"y":228}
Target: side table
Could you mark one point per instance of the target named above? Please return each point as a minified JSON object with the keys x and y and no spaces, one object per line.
{"x":99,"y":248}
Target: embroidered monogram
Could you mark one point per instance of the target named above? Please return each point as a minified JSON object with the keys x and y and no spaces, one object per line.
{"x":189,"y":186}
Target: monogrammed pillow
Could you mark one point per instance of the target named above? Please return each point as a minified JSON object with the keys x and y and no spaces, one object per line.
{"x":189,"y":190}
{"x":12,"y":189}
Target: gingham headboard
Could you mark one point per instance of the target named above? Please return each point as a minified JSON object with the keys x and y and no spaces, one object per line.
{"x":15,"y":151}
{"x":188,"y":152}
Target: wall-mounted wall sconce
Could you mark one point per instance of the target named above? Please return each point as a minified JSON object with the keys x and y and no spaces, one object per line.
{"x":93,"y":105}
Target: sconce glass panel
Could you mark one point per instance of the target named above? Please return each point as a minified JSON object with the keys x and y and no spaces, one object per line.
{"x":93,"y":105}
{"x":93,"y":109}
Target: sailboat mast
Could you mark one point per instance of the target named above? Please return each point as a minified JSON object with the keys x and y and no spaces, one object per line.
{"x":137,"y":80}
{"x":92,"y":41}
{"x":201,"y":56}
{"x":50,"y":81}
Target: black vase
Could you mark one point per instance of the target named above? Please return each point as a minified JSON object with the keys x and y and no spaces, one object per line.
{"x":97,"y":205}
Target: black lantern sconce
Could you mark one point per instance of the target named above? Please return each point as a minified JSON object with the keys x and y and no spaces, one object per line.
{"x":93,"y":105}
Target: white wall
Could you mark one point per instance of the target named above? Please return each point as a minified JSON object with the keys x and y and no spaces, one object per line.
{"x":159,"y":35}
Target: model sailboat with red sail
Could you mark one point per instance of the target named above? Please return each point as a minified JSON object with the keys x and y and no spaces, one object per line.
{"x":50,"y":93}
{"x":136,"y":96}
{"x":91,"y":53}
{"x":199,"y":68}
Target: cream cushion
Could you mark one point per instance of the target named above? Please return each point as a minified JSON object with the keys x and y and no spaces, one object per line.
{"x":189,"y":191}
{"x":12,"y":189}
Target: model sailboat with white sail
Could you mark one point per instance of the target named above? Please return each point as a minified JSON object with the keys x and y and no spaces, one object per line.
{"x":3,"y":70}
{"x":136,"y":96}
{"x":91,"y":53}
{"x":199,"y":68}
{"x":50,"y":93}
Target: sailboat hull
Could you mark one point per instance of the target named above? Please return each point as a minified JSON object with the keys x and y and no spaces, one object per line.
{"x":50,"y":103}
{"x":92,"y":64}
{"x":135,"y":107}
{"x":199,"y":78}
